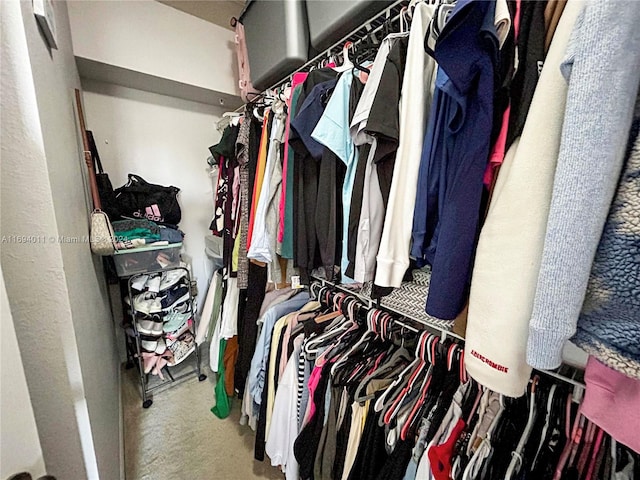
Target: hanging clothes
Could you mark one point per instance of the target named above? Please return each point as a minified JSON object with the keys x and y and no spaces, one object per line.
{"x":415,"y":102}
{"x":511,"y":241}
{"x":583,"y":190}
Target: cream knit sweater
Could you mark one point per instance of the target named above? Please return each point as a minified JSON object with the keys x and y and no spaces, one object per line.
{"x":510,"y":247}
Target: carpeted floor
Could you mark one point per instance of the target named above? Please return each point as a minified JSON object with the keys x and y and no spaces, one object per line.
{"x":179,"y":438}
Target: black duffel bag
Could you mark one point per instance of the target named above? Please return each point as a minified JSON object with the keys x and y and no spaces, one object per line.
{"x":141,"y":199}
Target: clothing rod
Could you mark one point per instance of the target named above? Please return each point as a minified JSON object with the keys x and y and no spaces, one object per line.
{"x":371,"y":303}
{"x":382,"y":16}
{"x":365,"y":300}
{"x":578,"y":387}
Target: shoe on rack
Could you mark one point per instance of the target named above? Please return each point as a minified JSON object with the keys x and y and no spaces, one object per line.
{"x":162,"y":347}
{"x":160,"y":364}
{"x":139,"y":282}
{"x":182,"y":348}
{"x":174,"y":297}
{"x":153,"y":284}
{"x":149,"y":360}
{"x":171,"y":278}
{"x":147,"y":303}
{"x":149,"y":344}
{"x":150,"y":325}
{"x":176,"y":316}
{"x":163,"y":360}
{"x":175,"y":335}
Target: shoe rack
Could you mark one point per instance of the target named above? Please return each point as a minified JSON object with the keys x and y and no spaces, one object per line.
{"x":152,"y":347}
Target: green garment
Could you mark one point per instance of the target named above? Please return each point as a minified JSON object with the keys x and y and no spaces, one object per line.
{"x":287,"y":239}
{"x":135,"y":233}
{"x":222,"y":408}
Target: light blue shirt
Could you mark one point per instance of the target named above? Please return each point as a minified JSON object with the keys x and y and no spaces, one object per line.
{"x":332,"y":131}
{"x":260,"y":360}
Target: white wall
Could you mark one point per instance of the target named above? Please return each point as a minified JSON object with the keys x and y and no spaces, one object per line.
{"x":55,"y":76}
{"x":155,"y":39}
{"x":21,"y":450}
{"x":56,"y":291}
{"x":165,"y":140}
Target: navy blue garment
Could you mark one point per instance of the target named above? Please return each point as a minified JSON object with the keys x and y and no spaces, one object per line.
{"x":455,"y":153}
{"x":308,"y":116}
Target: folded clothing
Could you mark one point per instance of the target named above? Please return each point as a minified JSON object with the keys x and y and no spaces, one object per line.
{"x":134,"y":224}
{"x":171,"y":235}
{"x":135,"y":233}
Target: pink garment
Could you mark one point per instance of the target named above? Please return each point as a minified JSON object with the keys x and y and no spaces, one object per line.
{"x":612,"y":401}
{"x":314,"y":379}
{"x":296,"y":80}
{"x":497,"y":154}
{"x":499,"y":149}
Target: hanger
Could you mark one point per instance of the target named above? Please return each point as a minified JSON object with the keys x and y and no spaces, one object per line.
{"x":368,"y":335}
{"x":346,"y":62}
{"x":380,"y":403}
{"x":391,"y":367}
{"x":516,"y":456}
{"x":341,"y":331}
{"x":328,"y":316}
{"x":439,"y":349}
{"x":404,"y":20}
{"x":419,"y":375}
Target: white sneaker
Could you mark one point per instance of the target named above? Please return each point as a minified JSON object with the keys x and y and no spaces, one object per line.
{"x":147,"y":303}
{"x":151,"y":326}
{"x":139,"y":282}
{"x":153,"y":284}
{"x":170,"y":278}
{"x":149,"y":345}
{"x":162,"y":346}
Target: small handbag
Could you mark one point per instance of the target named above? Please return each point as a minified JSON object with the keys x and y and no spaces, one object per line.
{"x":101,"y":235}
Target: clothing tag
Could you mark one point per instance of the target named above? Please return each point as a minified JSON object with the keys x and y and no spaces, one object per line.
{"x":295,"y":281}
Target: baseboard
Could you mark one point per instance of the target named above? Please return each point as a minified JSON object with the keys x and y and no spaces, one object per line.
{"x":121,"y":424}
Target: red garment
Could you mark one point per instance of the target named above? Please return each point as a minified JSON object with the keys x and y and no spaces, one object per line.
{"x":440,"y":455}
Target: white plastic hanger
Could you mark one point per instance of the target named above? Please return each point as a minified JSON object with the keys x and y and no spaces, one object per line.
{"x":346,"y":61}
{"x":516,"y":456}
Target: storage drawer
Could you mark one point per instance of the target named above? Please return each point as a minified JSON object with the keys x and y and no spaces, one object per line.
{"x":331,"y":20}
{"x":277,"y":38}
{"x":140,"y":260}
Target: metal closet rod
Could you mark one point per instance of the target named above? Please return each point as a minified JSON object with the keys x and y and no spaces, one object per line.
{"x":367,"y":301}
{"x":372,"y":303}
{"x":356,"y":36}
{"x":578,"y":387}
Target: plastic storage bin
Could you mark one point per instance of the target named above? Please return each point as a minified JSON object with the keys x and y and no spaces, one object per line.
{"x":145,"y":259}
{"x":277,"y":38}
{"x":331,"y":20}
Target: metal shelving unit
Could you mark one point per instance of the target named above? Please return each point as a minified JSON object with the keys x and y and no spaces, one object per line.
{"x":134,"y":335}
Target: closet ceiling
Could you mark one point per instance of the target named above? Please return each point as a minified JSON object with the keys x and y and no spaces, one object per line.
{"x":214,"y":11}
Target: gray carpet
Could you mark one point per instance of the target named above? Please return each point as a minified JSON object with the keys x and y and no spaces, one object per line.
{"x":179,"y":438}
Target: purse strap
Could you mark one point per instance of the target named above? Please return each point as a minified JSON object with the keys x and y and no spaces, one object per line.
{"x":133,"y":178}
{"x":93,"y":183}
{"x":94,"y":152}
